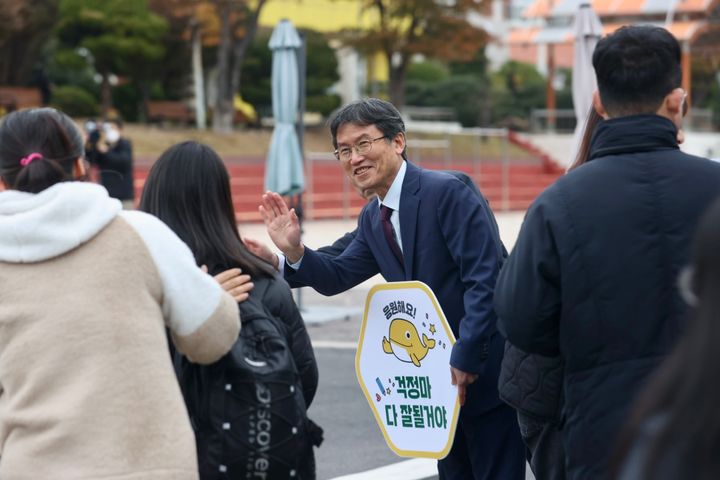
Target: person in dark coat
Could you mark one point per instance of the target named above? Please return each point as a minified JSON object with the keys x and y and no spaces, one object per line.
{"x":112,"y":153}
{"x":674,"y":431}
{"x":188,"y":188}
{"x":532,"y":383}
{"x":592,"y":277}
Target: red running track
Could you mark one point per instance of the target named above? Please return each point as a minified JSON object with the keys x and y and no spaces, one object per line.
{"x":328,"y":194}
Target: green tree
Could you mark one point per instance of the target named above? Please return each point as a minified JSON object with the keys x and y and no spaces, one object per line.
{"x":321,"y":73}
{"x":321,"y":67}
{"x":466,"y":95}
{"x":517,"y":88}
{"x":428,"y":72}
{"x":122,"y":36}
{"x":434,"y":28}
{"x":238,"y":26}
{"x":476,"y":66}
{"x":74,"y":101}
{"x":461,"y":86}
{"x":258,"y":69}
{"x":68,"y":66}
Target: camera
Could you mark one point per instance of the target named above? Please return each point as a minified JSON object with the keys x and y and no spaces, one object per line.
{"x":93,"y":130}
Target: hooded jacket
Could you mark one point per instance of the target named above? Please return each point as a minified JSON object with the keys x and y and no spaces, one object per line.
{"x":87,"y":388}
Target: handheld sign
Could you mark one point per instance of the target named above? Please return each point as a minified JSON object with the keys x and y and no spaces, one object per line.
{"x":403,"y":367}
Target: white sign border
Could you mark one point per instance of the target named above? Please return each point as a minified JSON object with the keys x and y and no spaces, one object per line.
{"x":441,"y":315}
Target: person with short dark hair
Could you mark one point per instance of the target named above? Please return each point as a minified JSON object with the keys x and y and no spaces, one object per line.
{"x":592,"y":275}
{"x":428,"y":226}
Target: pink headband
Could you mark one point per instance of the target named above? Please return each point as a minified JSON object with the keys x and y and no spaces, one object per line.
{"x":28,"y":160}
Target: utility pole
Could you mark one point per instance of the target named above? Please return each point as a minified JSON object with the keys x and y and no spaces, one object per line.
{"x":198,"y":80}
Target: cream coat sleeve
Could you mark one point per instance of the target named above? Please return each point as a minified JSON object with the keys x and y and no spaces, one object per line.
{"x":203,"y":319}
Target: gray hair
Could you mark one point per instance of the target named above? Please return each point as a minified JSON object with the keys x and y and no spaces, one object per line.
{"x":369,"y":111}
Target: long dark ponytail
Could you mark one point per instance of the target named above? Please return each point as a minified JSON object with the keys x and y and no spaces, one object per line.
{"x":583,"y":155}
{"x":38,"y":148}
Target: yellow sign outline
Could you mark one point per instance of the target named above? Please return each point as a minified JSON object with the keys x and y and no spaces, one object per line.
{"x":451,"y":337}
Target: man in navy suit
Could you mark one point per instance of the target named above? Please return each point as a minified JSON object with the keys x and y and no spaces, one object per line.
{"x":427,"y":226}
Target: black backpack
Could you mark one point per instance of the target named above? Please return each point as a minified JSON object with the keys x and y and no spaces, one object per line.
{"x":248,"y":409}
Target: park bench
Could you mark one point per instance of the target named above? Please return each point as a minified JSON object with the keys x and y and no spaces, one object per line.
{"x":429,"y":114}
{"x":16,"y":98}
{"x":162,"y":111}
{"x":169,"y":111}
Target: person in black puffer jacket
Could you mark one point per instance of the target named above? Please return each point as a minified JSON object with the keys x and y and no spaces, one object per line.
{"x":189,"y":189}
{"x":593,"y":275}
{"x":532,"y":383}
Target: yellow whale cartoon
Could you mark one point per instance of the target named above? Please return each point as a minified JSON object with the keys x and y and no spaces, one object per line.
{"x":405,"y":342}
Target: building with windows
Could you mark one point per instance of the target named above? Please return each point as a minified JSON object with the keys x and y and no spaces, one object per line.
{"x":359,"y":73}
{"x":546,"y":37}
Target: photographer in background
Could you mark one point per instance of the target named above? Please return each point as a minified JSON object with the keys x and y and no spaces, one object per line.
{"x":112,"y":154}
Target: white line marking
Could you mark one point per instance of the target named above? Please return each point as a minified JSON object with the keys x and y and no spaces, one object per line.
{"x":334,"y":344}
{"x":415,"y":469}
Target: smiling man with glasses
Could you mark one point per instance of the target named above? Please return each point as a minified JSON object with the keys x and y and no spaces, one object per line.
{"x":428,"y":226}
{"x":363,"y":147}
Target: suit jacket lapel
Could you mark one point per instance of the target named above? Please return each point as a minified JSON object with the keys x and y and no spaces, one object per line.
{"x":409,"y":210}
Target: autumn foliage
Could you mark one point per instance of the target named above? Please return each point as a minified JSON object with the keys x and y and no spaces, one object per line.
{"x":404,"y":28}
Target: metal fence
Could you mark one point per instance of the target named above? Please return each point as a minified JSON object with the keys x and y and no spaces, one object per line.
{"x":563,"y":120}
{"x":558,"y":120}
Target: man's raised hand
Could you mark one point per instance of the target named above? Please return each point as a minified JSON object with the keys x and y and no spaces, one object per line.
{"x":282,"y":225}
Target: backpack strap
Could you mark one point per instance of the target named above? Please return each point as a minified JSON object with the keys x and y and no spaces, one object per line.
{"x":258,"y":298}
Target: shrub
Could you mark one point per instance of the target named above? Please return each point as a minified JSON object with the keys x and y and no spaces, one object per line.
{"x":74,"y":101}
{"x":321,"y":73}
{"x":428,"y":72}
{"x":323,"y":104}
{"x":466,"y":95}
{"x":126,"y":99}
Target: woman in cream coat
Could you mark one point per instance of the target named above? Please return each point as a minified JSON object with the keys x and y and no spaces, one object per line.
{"x":86,"y":294}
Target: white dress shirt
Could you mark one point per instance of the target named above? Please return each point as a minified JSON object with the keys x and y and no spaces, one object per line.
{"x":392,"y":200}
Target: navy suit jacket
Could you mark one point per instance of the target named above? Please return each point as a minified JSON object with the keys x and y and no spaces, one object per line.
{"x":450,"y":242}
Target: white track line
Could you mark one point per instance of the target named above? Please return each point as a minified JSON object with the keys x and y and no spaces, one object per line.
{"x":334,"y":344}
{"x":415,"y":469}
